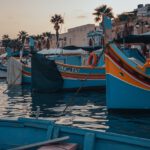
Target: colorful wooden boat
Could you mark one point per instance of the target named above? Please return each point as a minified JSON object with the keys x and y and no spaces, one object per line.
{"x":54,"y":54}
{"x":35,"y":134}
{"x":66,"y":72}
{"x":127,"y":80}
{"x":26,"y":78}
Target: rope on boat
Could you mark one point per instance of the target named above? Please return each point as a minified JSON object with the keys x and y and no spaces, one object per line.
{"x":79,"y":89}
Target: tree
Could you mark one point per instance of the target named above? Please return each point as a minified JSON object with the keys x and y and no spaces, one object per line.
{"x":22,"y":36}
{"x":5,"y":37}
{"x":5,"y":40}
{"x":48,"y":34}
{"x":38,"y":37}
{"x":57,"y":20}
{"x":101,"y":11}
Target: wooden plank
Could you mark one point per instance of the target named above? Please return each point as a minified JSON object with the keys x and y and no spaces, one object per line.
{"x":59,"y":146}
{"x":41,"y":143}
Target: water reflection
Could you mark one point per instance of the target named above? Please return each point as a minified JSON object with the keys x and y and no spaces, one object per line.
{"x":85,"y":110}
{"x":15,"y":103}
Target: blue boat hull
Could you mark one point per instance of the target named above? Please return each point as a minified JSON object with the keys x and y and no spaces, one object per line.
{"x":119,"y":95}
{"x":28,"y":131}
{"x":128,"y":86}
{"x":48,"y":75}
{"x":85,"y":84}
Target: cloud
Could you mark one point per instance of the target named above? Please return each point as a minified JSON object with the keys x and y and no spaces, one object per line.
{"x":82,"y":17}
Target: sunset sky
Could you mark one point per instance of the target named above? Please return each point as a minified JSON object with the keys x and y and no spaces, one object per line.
{"x":33,"y":15}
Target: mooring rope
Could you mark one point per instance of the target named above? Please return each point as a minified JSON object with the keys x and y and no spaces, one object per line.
{"x":79,"y":89}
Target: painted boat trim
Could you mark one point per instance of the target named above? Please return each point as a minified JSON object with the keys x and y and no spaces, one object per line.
{"x":82,"y":67}
{"x":128,"y":75}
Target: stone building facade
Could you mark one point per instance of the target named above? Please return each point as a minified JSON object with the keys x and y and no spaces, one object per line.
{"x":143,"y":10}
{"x":77,"y":36}
{"x":140,"y":25}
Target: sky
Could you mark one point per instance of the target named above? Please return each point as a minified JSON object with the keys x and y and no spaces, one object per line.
{"x":33,"y":16}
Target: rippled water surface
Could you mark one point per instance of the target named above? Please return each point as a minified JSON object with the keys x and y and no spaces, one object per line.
{"x":84,"y":110}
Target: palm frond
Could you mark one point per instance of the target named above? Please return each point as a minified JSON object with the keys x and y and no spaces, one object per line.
{"x":98,"y":19}
{"x":103,"y":10}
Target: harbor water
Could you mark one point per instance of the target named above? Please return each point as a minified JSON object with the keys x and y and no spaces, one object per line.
{"x":84,"y":110}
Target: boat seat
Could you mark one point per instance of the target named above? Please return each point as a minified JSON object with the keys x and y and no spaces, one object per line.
{"x":59,"y":146}
{"x":39,"y":144}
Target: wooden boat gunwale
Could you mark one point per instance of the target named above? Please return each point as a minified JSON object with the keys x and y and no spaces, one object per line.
{"x":55,"y":131}
{"x":130,"y":69}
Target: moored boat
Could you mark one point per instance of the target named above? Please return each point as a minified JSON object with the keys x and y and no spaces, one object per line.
{"x":27,"y":133}
{"x":67,"y":72}
{"x":3,"y":68}
{"x":127,"y":80}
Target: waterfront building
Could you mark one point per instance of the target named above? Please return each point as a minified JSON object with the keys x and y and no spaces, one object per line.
{"x":78,"y":36}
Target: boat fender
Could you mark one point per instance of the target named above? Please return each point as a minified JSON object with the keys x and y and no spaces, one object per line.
{"x":93,"y":59}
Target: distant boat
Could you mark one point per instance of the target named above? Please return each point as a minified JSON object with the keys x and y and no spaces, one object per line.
{"x":3,"y":73}
{"x":3,"y":63}
{"x":36,"y":134}
{"x":68,"y":71}
{"x":3,"y":67}
{"x":128,"y":79}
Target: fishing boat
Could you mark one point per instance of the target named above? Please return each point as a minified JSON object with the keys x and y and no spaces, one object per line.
{"x":127,"y":79}
{"x":3,"y":68}
{"x":68,"y":71}
{"x":4,"y":62}
{"x":25,"y":61}
{"x":28,"y":133}
{"x":54,"y":54}
{"x":3,"y":71}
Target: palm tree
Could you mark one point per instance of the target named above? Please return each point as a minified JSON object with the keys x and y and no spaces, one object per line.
{"x":48,"y":34}
{"x":22,"y":35}
{"x":57,"y":20}
{"x":38,"y":37}
{"x":101,"y":11}
{"x":38,"y":40}
{"x":5,"y":37}
{"x":5,"y":40}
